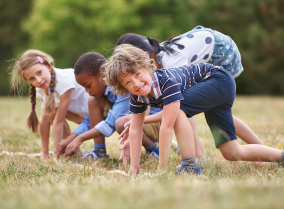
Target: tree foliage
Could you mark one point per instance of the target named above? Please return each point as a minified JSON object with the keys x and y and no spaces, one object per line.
{"x":68,"y":28}
{"x":12,"y":36}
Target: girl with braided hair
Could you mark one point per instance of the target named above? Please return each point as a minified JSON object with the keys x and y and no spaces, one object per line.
{"x":62,"y":97}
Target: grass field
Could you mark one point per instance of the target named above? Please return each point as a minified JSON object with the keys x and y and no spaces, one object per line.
{"x":28,"y":182}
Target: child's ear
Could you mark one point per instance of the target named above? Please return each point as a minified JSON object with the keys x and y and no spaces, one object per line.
{"x":49,"y":68}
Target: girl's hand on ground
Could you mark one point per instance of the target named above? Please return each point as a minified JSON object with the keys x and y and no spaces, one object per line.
{"x":124,"y":135}
{"x":44,"y":156}
{"x":71,"y":148}
{"x":125,"y":153}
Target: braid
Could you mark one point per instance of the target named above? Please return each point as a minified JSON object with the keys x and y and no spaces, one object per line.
{"x":32,"y":121}
{"x":50,"y":103}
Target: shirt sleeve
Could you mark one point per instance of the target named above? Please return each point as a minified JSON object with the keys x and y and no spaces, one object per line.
{"x":135,"y":106}
{"x":119,"y":108}
{"x":65,"y":80}
{"x":84,"y":126}
{"x":170,"y":61}
{"x":171,"y":91}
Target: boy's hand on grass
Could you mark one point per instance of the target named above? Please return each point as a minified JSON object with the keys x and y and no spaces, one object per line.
{"x":62,"y":147}
{"x":124,"y":135}
{"x":125,"y":153}
{"x":71,"y":148}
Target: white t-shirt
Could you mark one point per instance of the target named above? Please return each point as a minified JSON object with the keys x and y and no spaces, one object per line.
{"x":198,"y":48}
{"x":65,"y":80}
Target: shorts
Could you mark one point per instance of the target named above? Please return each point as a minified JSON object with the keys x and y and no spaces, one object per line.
{"x":226,"y":54}
{"x":108,"y":106}
{"x":215,"y":97}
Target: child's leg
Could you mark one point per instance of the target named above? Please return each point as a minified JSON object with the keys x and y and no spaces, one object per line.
{"x":184,"y":136}
{"x":199,"y":152}
{"x":96,"y":115}
{"x":245,"y":133}
{"x":232,"y":151}
{"x":185,"y":139}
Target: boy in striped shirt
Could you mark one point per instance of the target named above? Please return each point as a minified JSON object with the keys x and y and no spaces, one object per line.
{"x":182,"y":92}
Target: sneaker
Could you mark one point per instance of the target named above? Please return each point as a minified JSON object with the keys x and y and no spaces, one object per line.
{"x":281,"y":160}
{"x":199,"y":162}
{"x":153,"y":155}
{"x":79,"y":153}
{"x":176,"y":149}
{"x":206,"y":160}
{"x":91,"y":155}
{"x":195,"y":170}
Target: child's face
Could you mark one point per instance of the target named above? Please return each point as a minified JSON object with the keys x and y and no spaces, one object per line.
{"x":94,"y":85}
{"x":38,"y":75}
{"x":139,"y":83}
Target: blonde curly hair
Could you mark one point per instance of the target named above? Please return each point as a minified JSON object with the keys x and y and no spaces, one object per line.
{"x":125,"y":59}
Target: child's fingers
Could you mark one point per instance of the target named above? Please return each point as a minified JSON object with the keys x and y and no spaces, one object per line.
{"x":123,"y":140}
{"x":123,"y":132}
{"x":125,"y":160}
{"x":127,"y":124}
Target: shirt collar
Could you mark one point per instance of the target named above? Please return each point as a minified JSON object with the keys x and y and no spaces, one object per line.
{"x":108,"y":89}
{"x":155,"y":87}
{"x":160,"y":57}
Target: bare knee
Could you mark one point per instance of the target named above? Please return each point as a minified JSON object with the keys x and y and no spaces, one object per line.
{"x":229,"y":156}
{"x":231,"y":151}
{"x":119,"y":123}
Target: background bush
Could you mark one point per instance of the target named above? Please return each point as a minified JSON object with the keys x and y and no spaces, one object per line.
{"x":68,"y":28}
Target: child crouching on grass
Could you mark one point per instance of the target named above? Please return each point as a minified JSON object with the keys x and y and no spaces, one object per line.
{"x":62,"y":97}
{"x":105,"y":112}
{"x":181,"y":92}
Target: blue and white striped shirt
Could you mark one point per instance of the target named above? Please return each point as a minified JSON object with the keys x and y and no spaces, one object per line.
{"x":168,"y":85}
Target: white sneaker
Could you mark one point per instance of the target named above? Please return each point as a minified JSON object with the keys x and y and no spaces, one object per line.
{"x":79,"y":152}
{"x":153,"y":155}
{"x":88,"y":155}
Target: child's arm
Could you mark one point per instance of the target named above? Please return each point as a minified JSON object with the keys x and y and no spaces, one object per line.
{"x":44,"y":128}
{"x":169,"y":117}
{"x":63,"y":144}
{"x":57,"y":129}
{"x":148,"y":119}
{"x":135,"y":140}
{"x":154,"y":118}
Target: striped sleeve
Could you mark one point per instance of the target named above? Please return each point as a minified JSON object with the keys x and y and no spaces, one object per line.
{"x":135,"y":106}
{"x":171,"y":91}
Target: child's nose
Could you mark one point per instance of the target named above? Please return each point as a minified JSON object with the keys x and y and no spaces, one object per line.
{"x":38,"y":79}
{"x":136,"y":82}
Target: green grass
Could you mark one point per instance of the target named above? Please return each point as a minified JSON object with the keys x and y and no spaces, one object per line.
{"x":27,"y":182}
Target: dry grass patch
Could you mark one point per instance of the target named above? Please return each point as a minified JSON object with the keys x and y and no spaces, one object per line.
{"x":28,"y":182}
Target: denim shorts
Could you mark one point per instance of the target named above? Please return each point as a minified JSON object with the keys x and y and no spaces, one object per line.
{"x":225,"y":52}
{"x":215,"y":97}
